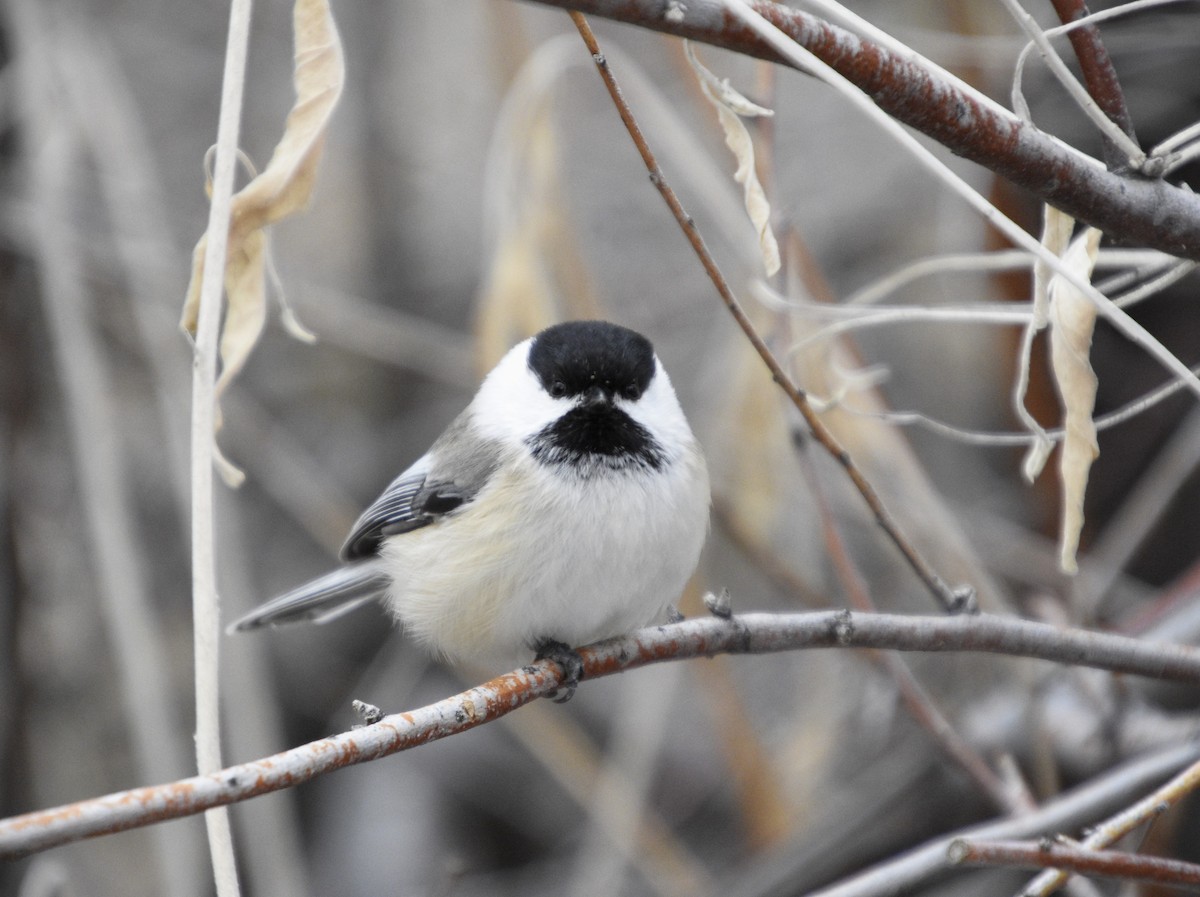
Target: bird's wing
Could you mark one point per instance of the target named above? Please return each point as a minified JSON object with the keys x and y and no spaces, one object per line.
{"x":412,"y":501}
{"x":448,"y":476}
{"x":322,"y":599}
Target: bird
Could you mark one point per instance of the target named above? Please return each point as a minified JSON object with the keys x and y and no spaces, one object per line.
{"x":566,"y":504}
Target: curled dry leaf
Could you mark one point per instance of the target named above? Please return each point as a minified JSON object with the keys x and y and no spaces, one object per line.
{"x":1072,"y":320}
{"x":731,"y":108}
{"x":1056,"y":236}
{"x":283,"y":188}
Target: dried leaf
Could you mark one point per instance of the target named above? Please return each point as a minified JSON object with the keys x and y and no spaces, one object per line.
{"x":1072,"y":320}
{"x":731,"y":107}
{"x":283,"y":188}
{"x":1056,"y":235}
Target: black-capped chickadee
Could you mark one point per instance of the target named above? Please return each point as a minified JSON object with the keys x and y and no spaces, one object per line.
{"x":568,"y":503}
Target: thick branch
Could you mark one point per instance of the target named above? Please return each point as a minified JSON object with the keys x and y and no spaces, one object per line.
{"x":746,"y":634}
{"x":1130,"y":210}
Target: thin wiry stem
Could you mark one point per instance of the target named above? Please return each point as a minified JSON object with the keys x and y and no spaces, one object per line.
{"x":1124,"y":149}
{"x":916,"y":700}
{"x":950,"y":599}
{"x":805,"y":59}
{"x":745,"y":634}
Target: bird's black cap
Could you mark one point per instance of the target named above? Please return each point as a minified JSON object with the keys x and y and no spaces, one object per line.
{"x":594,"y":362}
{"x":572,"y":358}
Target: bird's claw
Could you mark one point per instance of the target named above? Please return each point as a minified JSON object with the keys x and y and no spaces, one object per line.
{"x":568,"y":661}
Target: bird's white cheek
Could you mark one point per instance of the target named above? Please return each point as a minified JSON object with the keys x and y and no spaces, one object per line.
{"x":511,"y":405}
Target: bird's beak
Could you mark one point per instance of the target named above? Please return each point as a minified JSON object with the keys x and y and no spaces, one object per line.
{"x":595,"y":397}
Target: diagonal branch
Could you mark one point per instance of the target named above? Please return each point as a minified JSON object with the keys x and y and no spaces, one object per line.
{"x":952,"y":600}
{"x":1128,"y":209}
{"x":1111,"y":830}
{"x":745,"y":634}
{"x":1068,"y":811}
{"x":1054,"y":855}
{"x":1098,"y":72}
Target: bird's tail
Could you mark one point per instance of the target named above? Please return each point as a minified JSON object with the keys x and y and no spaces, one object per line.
{"x":322,"y":599}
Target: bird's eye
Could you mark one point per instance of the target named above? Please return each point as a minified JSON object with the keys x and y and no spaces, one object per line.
{"x":632,"y":392}
{"x":558,"y":389}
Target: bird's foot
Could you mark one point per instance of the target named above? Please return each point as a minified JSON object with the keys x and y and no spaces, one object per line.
{"x":569,"y":662}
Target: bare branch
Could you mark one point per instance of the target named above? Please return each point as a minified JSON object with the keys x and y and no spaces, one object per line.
{"x":748,"y":634}
{"x":1098,"y":72}
{"x":919,"y":703}
{"x":1048,"y":854}
{"x":1146,"y":809}
{"x":1068,"y":811}
{"x":1130,"y":210}
{"x":206,"y":629}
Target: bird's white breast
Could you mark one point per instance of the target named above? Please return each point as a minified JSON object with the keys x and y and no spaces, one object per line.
{"x":543,"y":554}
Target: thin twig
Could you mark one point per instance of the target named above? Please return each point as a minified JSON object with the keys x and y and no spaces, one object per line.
{"x":1128,"y":153}
{"x":947,"y":597}
{"x":1133,"y":211}
{"x":1054,"y":855}
{"x":206,"y":622}
{"x":1146,"y":809}
{"x":747,"y":634}
{"x":808,"y":61}
{"x":902,"y":874}
{"x":915,"y":699}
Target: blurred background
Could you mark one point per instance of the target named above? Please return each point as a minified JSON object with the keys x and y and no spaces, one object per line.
{"x":476,"y":186}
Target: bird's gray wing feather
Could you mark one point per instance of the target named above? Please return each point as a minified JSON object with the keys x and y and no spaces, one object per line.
{"x":322,"y":599}
{"x":449,"y":476}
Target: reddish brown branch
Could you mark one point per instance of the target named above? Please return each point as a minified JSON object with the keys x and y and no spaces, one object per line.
{"x":1099,"y":76}
{"x":1130,"y":210}
{"x":1053,"y":855}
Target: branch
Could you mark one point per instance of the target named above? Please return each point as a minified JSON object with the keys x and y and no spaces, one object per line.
{"x":1111,"y":830}
{"x":1048,"y":854}
{"x":746,"y":634}
{"x":919,"y":703}
{"x":1098,"y":73}
{"x":1129,"y":210}
{"x":206,"y":618}
{"x":1077,"y":807}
